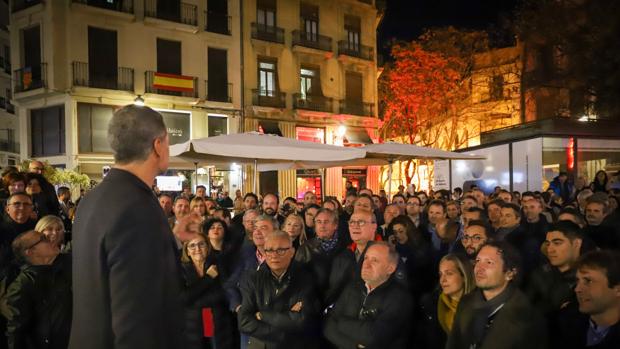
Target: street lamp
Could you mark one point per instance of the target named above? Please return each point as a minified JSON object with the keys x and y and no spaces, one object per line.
{"x":139,"y":101}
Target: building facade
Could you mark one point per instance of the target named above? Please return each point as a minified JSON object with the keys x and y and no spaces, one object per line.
{"x":9,"y":123}
{"x":302,"y":69}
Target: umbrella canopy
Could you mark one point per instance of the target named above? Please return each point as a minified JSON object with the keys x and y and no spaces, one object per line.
{"x":262,"y":149}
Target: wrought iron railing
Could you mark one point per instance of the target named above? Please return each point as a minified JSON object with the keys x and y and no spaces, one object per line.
{"x":266,"y":98}
{"x":125,"y":6}
{"x":19,"y":5}
{"x":30,"y":78}
{"x":355,"y":50}
{"x":356,"y":108}
{"x":187,"y":13}
{"x":313,"y":102}
{"x":123,"y":79}
{"x":218,"y":23}
{"x":267,"y":33}
{"x":219,"y":92}
{"x":312,"y":40}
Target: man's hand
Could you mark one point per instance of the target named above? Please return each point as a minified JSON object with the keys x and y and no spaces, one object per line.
{"x":187,"y":227}
{"x":297,"y":307}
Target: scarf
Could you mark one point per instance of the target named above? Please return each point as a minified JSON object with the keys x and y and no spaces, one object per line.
{"x":446,"y":309}
{"x":329,"y":244}
{"x":484,"y":313}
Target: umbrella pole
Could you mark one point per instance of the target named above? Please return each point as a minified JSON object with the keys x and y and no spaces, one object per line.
{"x":389,"y":195}
{"x":195,"y":175}
{"x":322,"y":186}
{"x":255,"y":176}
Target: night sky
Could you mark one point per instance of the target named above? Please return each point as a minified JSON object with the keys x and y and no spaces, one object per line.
{"x":407,"y":19}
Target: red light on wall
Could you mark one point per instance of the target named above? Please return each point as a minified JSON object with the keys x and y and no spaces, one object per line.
{"x":570,"y":154}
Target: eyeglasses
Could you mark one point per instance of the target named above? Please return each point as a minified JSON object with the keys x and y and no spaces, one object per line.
{"x":359,"y":223}
{"x":20,"y":204}
{"x":196,"y":245}
{"x":42,"y":239}
{"x":278,"y":251}
{"x":475,"y":238}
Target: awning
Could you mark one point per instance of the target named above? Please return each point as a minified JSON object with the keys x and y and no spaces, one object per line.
{"x":270,"y":128}
{"x":357,"y":136}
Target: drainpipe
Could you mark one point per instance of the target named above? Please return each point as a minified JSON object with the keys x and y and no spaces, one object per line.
{"x":242,"y":68}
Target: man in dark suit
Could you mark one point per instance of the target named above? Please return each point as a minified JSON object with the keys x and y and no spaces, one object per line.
{"x":126,"y":283}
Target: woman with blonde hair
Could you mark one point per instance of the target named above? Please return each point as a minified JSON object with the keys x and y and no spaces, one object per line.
{"x":456,"y":279}
{"x":198,"y":206}
{"x":294,"y":227}
{"x":54,"y":230}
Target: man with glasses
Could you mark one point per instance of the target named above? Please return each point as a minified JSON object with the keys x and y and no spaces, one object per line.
{"x":347,"y":264}
{"x":38,"y":302}
{"x":16,"y":220}
{"x":414,"y":210}
{"x":474,"y":237}
{"x":280,"y":308}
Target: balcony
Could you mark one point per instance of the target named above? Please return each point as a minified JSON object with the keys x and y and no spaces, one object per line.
{"x":30,"y":78}
{"x":218,"y":23}
{"x":355,"y":50}
{"x":357,"y":108}
{"x":5,"y":64}
{"x":187,"y":13}
{"x":218,"y":93}
{"x":171,"y":84}
{"x":312,"y":40}
{"x":8,"y":146}
{"x":315,"y":103}
{"x":273,"y":99}
{"x":267,"y":33}
{"x":122,"y":80}
{"x":125,"y":6}
{"x":19,"y":5}
{"x":2,"y":103}
{"x":10,"y":108}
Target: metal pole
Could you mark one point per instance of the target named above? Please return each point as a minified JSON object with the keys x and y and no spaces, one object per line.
{"x":389,"y":195}
{"x":195,"y":175}
{"x":322,"y":185}
{"x":255,"y":177}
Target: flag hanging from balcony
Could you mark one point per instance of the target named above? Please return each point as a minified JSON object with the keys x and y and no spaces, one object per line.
{"x":172,"y":82}
{"x":27,"y":78}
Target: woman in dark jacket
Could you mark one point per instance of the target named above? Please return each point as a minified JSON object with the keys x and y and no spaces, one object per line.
{"x":203,"y":290}
{"x":296,"y":230}
{"x":600,"y":182}
{"x":437,"y":309}
{"x":415,"y":253}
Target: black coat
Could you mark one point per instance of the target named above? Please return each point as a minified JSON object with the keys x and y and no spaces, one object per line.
{"x":38,"y":306}
{"x":279,"y":327}
{"x":429,"y":333}
{"x":127,"y":273}
{"x":571,"y":331}
{"x":516,"y":325}
{"x":200,"y":293}
{"x":549,"y":289}
{"x":379,"y":319}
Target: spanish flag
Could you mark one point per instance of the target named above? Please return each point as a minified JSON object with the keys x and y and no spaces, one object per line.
{"x":171,"y":82}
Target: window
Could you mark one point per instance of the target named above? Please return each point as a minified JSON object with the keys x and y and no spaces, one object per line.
{"x":352,"y":28}
{"x":47,"y":131}
{"x":267,"y":78}
{"x":102,"y":58}
{"x":168,"y":56}
{"x":217,"y":85}
{"x":218,"y":125}
{"x":310,"y":82}
{"x":310,"y":22}
{"x":93,"y":120}
{"x":496,"y":89}
{"x":217,"y":16}
{"x":266,"y":13}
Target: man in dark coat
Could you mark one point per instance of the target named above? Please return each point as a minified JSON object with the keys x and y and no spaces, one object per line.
{"x":597,"y":323}
{"x":38,"y":302}
{"x":280,"y":308}
{"x":374,"y":313}
{"x":126,"y":272}
{"x":602,"y":229}
{"x":497,"y":315}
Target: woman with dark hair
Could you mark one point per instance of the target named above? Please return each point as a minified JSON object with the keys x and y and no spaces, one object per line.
{"x":207,"y":319}
{"x":415,"y":252}
{"x":600,"y":182}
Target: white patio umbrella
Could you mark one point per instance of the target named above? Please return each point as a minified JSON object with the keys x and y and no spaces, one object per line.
{"x":260,"y":150}
{"x":385,"y":154}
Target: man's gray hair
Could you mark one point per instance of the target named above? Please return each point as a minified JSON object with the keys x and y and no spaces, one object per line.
{"x":333,"y":215}
{"x":251,"y":211}
{"x":278,"y":234}
{"x":132,"y":131}
{"x":268,"y":218}
{"x":392,"y":253}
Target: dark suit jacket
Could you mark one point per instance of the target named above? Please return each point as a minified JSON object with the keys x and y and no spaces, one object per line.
{"x":126,"y":273}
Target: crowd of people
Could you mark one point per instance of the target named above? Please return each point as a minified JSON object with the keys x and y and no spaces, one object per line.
{"x":460,"y":269}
